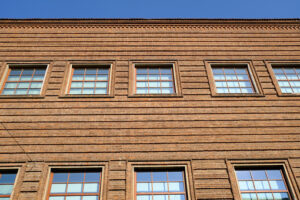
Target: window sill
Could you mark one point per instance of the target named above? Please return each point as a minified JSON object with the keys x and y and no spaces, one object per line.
{"x":22,"y":96}
{"x":237,"y":95}
{"x":86,"y":96}
{"x":155,"y":96}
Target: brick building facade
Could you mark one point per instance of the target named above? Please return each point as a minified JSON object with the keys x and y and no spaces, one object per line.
{"x":149,"y":109}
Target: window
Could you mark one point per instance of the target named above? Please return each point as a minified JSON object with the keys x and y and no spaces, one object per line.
{"x":160,"y":184}
{"x":232,"y":79}
{"x":288,"y":78}
{"x":75,"y":185}
{"x":24,"y":80}
{"x":262,"y":183}
{"x":7,"y":180}
{"x":154,"y":80}
{"x":89,"y":80}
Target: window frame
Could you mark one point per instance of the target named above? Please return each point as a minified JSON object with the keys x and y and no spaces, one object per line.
{"x":7,"y":69}
{"x":86,"y":64}
{"x":270,"y":65}
{"x":251,"y":72}
{"x":102,"y":167}
{"x":132,"y":78}
{"x":281,"y":164}
{"x":184,"y":165}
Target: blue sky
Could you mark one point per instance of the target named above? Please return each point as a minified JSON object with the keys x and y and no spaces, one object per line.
{"x":149,"y":8}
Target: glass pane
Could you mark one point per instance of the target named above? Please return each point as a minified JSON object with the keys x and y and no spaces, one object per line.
{"x":10,"y":85}
{"x":100,"y":91}
{"x":27,"y":72}
{"x":37,"y":78}
{"x":144,"y":197}
{"x":222,"y":90}
{"x":176,"y":197}
{"x":78,"y":77}
{"x":159,"y":176}
{"x":91,"y":187}
{"x":89,"y":84}
{"x":78,"y":71}
{"x":76,"y":84}
{"x":265,"y":196}
{"x":167,"y":91}
{"x":76,"y":177}
{"x":141,"y":84}
{"x":90,"y":77}
{"x":74,"y":187}
{"x":243,"y":174}
{"x":25,"y":78}
{"x":243,"y":77}
{"x":219,"y":77}
{"x":102,"y":77}
{"x":247,"y":90}
{"x":175,"y":176}
{"x":141,"y":70}
{"x":90,"y":198}
{"x":13,"y":78}
{"x":274,"y":174}
{"x":277,"y":70}
{"x":166,"y":70}
{"x":167,"y":84}
{"x":103,"y":71}
{"x":142,"y":90}
{"x":289,"y":71}
{"x":75,"y":91}
{"x":229,"y":71}
{"x":234,"y":90}
{"x":153,"y":71}
{"x":160,"y":187}
{"x":286,"y":90}
{"x":154,"y":84}
{"x":296,"y":90}
{"x":246,"y":185}
{"x":160,"y":197}
{"x":221,"y":84}
{"x":23,"y":85}
{"x":143,"y":176}
{"x":217,"y":71}
{"x":101,"y":84}
{"x":40,"y":72}
{"x":277,"y":185}
{"x":58,"y":188}
{"x":154,"y":90}
{"x":91,"y":70}
{"x":284,"y":83}
{"x":258,"y":174}
{"x":36,"y":85}
{"x":6,"y":189}
{"x":295,"y":83}
{"x":233,"y":84}
{"x":292,"y":77}
{"x":245,"y":84}
{"x":73,"y":198}
{"x":92,"y":177}
{"x":155,"y":77}
{"x":7,"y":178}
{"x":241,"y":71}
{"x":166,"y":77}
{"x":143,"y":187}
{"x":281,"y":196}
{"x":21,"y":91}
{"x":261,"y":185}
{"x":249,"y":196}
{"x":176,"y":187}
{"x":56,"y":198}
{"x":88,"y":91}
{"x":232,"y":77}
{"x":8,"y":91}
{"x":141,"y":77}
{"x":16,"y":72}
{"x":281,"y":77}
{"x":34,"y":91}
{"x":60,"y":177}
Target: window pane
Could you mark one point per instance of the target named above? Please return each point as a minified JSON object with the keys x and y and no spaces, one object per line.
{"x":90,"y":198}
{"x":36,"y":85}
{"x":143,"y":176}
{"x":229,"y":71}
{"x":286,"y":90}
{"x":246,"y":185}
{"x":274,"y":174}
{"x":176,"y":187}
{"x":73,"y":198}
{"x":23,"y":85}
{"x":234,"y":90}
{"x":141,"y":71}
{"x":281,"y":77}
{"x":56,"y":198}
{"x":142,"y":90}
{"x":60,"y":177}
{"x":222,"y":90}
{"x":21,"y":91}
{"x":232,"y":77}
{"x":243,"y":174}
{"x":92,"y":177}
{"x":261,"y":185}
{"x":7,"y":178}
{"x":295,"y":83}
{"x":100,"y":91}
{"x":27,"y":72}
{"x":166,"y":77}
{"x":78,"y":77}
{"x":75,"y":91}
{"x":176,"y":197}
{"x":144,"y":197}
{"x":217,"y":71}
{"x":25,"y":78}
{"x":153,"y":71}
{"x":175,"y":176}
{"x":160,"y":197}
{"x":160,"y":187}
{"x":38,"y":78}
{"x":233,"y":84}
{"x":58,"y":188}
{"x":277,"y":185}
{"x":247,"y":90}
{"x":154,"y":90}
{"x":76,"y":177}
{"x":91,"y":187}
{"x":88,"y":91}
{"x":244,"y":84}
{"x":90,"y":77}
{"x":143,"y":187}
{"x":8,"y":91}
{"x":167,"y":91}
{"x":91,"y":71}
{"x":78,"y":71}
{"x":292,"y":77}
{"x":166,"y":84}
{"x":34,"y":91}
{"x":15,"y":72}
{"x":6,"y":189}
{"x":102,"y":77}
{"x":13,"y":78}
{"x":10,"y":85}
{"x":281,"y":196}
{"x":219,"y":77}
{"x":258,"y":174}
{"x":278,"y":71}
{"x":74,"y":188}
{"x":40,"y":72}
{"x":101,"y":84}
{"x":166,"y":71}
{"x":155,"y":77}
{"x":241,"y":71}
{"x":76,"y":84}
{"x":159,"y":176}
{"x":89,"y":84}
{"x":141,"y":84}
{"x":154,"y":84}
{"x":221,"y":84}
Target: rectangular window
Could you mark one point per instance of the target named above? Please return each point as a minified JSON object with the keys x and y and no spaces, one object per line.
{"x":262,"y":183}
{"x":154,"y":79}
{"x":75,"y":185}
{"x":232,"y":79}
{"x":288,"y":79}
{"x":7,"y":181}
{"x":26,"y":80}
{"x":160,"y":184}
{"x":89,"y":80}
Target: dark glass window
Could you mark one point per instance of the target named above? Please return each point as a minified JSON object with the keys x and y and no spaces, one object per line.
{"x":75,"y":185}
{"x":262,"y":184}
{"x":232,"y":80}
{"x":7,"y":180}
{"x":288,"y":79}
{"x":90,"y":80}
{"x":160,"y":185}
{"x":154,"y":80}
{"x":24,"y":81}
